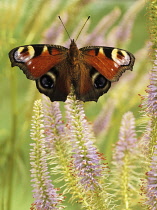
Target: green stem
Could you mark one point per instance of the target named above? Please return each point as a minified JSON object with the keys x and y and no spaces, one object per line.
{"x":125,"y":183}
{"x":11,"y":157}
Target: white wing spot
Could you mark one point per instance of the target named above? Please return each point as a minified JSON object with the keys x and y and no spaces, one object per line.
{"x":21,"y":56}
{"x":125,"y":60}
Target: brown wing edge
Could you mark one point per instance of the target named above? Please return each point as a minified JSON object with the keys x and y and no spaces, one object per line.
{"x":124,"y":68}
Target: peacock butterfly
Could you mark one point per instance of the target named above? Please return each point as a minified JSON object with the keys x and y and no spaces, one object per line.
{"x":90,"y":70}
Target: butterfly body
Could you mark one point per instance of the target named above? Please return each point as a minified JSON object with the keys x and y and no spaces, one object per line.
{"x":89,"y":70}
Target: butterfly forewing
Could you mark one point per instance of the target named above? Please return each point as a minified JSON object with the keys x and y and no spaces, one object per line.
{"x":36,"y":60}
{"x":110,"y":62}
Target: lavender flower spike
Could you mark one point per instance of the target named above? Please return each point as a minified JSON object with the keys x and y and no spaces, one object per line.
{"x":86,"y":161}
{"x":127,"y":137}
{"x":151,"y":104}
{"x":152,"y":182}
{"x":151,"y":110}
{"x":126,"y":171}
{"x":46,"y":197}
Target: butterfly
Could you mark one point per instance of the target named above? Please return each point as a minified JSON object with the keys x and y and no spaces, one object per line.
{"x":55,"y":69}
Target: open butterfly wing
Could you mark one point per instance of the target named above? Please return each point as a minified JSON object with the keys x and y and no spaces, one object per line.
{"x":36,"y":60}
{"x":108,"y":61}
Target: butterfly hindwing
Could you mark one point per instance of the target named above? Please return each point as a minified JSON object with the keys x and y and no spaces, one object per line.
{"x":92,"y":84}
{"x":56,"y":83}
{"x":110,"y":62}
{"x":36,"y":60}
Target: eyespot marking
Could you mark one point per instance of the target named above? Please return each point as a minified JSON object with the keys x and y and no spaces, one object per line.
{"x":121,"y":57}
{"x":47,"y":81}
{"x":24,"y":54}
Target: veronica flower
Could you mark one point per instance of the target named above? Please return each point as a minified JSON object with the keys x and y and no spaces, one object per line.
{"x":151,"y":110}
{"x":151,"y":190}
{"x":151,"y":107}
{"x":125,"y":164}
{"x":86,"y":159}
{"x":127,"y":137}
{"x":53,"y":125}
{"x":45,"y":195}
{"x":87,"y":164}
{"x":56,"y":140}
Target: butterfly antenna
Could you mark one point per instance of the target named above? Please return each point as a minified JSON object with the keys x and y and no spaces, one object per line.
{"x":64,"y":27}
{"x":82,"y":28}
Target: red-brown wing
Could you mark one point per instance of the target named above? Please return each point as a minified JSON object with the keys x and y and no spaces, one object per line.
{"x":108,"y":61}
{"x":36,"y":60}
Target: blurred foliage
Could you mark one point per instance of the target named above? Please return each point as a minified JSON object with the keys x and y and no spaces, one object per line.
{"x":27,"y":22}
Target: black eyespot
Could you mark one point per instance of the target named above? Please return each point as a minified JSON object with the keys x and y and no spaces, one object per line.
{"x":47,"y":82}
{"x":100,"y":81}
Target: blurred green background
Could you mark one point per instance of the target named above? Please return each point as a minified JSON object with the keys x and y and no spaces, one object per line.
{"x":29,"y":22}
